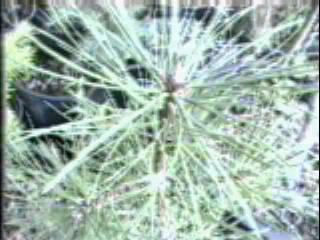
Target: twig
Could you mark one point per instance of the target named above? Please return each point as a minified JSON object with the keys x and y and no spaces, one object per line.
{"x":166,"y":119}
{"x":160,"y":165}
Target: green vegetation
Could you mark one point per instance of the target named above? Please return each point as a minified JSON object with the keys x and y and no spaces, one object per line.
{"x":19,"y":54}
{"x":177,"y":159}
